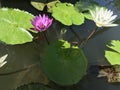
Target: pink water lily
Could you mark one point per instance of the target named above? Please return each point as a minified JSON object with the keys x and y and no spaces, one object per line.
{"x":41,"y":23}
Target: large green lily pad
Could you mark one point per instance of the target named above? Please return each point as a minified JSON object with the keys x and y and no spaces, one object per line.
{"x":64,"y":64}
{"x":66,"y":14}
{"x":14,"y":24}
{"x":113,"y":55}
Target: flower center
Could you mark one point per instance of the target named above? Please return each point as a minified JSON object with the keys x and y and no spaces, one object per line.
{"x":99,"y":24}
{"x":41,"y":26}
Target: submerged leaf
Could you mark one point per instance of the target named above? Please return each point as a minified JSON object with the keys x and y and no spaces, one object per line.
{"x":64,"y":64}
{"x":84,"y":7}
{"x":113,"y":56}
{"x":14,"y":24}
{"x":68,"y":15}
{"x":33,"y":86}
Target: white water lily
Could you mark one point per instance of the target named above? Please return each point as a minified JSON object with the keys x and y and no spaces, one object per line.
{"x":2,"y":60}
{"x":103,"y":17}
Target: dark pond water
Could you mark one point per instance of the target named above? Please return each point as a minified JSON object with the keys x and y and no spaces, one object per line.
{"x":22,"y":56}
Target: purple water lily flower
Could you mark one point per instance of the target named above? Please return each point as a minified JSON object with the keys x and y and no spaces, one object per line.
{"x":41,"y":23}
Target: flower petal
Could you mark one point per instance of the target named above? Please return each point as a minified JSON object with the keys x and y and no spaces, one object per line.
{"x":110,"y":25}
{"x":103,"y":17}
{"x":41,"y":23}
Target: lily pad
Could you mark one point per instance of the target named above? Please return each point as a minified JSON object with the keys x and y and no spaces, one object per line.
{"x":66,"y":14}
{"x":113,"y":56}
{"x":38,"y":5}
{"x":14,"y":24}
{"x":115,"y":45}
{"x":64,"y":64}
{"x":41,"y":5}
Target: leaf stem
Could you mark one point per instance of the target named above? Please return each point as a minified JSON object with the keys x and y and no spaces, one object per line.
{"x":89,"y":37}
{"x":45,"y":35}
{"x":91,"y":34}
{"x":78,"y":37}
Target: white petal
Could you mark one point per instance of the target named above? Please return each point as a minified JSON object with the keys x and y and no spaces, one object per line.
{"x":110,"y":25}
{"x":97,"y":14}
{"x":109,"y":14}
{"x":101,"y":15}
{"x":92,"y":13}
{"x":111,"y":19}
{"x":105,"y":12}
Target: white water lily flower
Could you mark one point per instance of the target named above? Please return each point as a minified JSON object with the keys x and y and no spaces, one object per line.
{"x":2,"y":60}
{"x":103,"y":17}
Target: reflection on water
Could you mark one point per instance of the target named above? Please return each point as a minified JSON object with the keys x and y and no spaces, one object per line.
{"x":21,"y":56}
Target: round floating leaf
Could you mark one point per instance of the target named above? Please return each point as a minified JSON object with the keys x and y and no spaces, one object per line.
{"x":113,"y":56}
{"x":64,"y":64}
{"x":50,"y":5}
{"x":38,"y":5}
{"x":14,"y":24}
{"x":33,"y":86}
{"x":66,"y":14}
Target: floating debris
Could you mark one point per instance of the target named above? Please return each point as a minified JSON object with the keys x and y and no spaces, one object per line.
{"x":112,"y":72}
